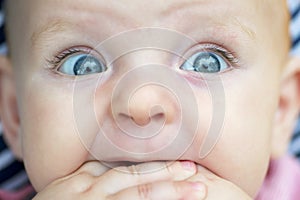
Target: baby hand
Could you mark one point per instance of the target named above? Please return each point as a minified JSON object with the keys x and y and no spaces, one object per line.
{"x":95,"y":181}
{"x":218,"y":188}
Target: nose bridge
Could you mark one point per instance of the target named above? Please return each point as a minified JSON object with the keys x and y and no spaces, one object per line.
{"x":141,"y":57}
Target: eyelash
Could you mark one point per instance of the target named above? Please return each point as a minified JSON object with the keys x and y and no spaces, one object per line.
{"x":228,"y":55}
{"x":56,"y":60}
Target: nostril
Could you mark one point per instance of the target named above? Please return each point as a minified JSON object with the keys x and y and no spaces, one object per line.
{"x":141,"y":126}
{"x":141,"y":121}
{"x":158,"y":117}
{"x":154,"y":115}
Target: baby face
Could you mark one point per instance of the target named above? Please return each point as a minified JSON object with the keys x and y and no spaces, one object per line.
{"x":137,"y":81}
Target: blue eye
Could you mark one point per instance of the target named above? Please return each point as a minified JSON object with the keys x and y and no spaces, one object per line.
{"x":82,"y":64}
{"x":205,"y":62}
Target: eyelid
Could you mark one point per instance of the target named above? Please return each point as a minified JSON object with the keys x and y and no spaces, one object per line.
{"x":229,"y":56}
{"x":56,"y":60}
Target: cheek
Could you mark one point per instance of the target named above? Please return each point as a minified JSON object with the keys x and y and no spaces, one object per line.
{"x":248,"y":130}
{"x":52,"y":147}
{"x":242,"y":152}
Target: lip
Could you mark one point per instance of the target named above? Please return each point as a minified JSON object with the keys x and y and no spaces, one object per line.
{"x":115,"y":164}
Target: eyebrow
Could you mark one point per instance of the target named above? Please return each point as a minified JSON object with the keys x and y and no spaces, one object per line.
{"x":60,"y":25}
{"x":246,"y":29}
{"x":234,"y":19}
{"x":52,"y":27}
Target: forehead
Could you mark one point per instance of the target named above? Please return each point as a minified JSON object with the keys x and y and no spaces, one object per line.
{"x":254,"y":20}
{"x":250,"y":15}
{"x":145,"y":12}
{"x":153,"y":7}
{"x":154,"y":13}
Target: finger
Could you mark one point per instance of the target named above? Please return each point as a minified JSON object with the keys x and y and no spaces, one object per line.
{"x":204,"y":175}
{"x":95,"y":168}
{"x":163,"y":190}
{"x":218,"y":187}
{"x":83,"y":178}
{"x":91,"y":168}
{"x":124,"y":177}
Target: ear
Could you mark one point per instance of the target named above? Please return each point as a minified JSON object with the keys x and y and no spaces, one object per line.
{"x":288,"y":108}
{"x":8,"y":107}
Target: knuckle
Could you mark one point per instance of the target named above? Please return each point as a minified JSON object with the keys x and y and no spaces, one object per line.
{"x":169,"y":167}
{"x":133,"y":170}
{"x":81,"y":182}
{"x":144,"y":191}
{"x":178,"y":188}
{"x":127,"y":173}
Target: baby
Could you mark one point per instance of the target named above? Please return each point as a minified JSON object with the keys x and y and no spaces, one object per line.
{"x":148,"y":100}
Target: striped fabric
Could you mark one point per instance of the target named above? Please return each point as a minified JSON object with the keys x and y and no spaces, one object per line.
{"x":295,"y":26}
{"x":295,"y":35}
{"x":14,"y":183}
{"x":12,"y":173}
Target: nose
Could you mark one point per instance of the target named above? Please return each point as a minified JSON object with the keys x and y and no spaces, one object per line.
{"x":146,"y":104}
{"x":150,"y":115}
{"x":151,"y":103}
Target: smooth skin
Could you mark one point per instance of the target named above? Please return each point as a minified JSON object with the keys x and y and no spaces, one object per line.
{"x":262,"y":96}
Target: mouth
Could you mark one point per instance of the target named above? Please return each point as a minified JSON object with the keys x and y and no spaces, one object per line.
{"x":154,"y":164}
{"x":115,"y":164}
{"x":144,"y":167}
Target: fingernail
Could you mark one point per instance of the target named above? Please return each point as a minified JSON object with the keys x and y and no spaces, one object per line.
{"x":188,"y":165}
{"x":200,"y":188}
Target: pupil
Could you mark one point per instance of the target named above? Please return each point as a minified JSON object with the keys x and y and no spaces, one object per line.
{"x":87,"y":65}
{"x":207,"y":62}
